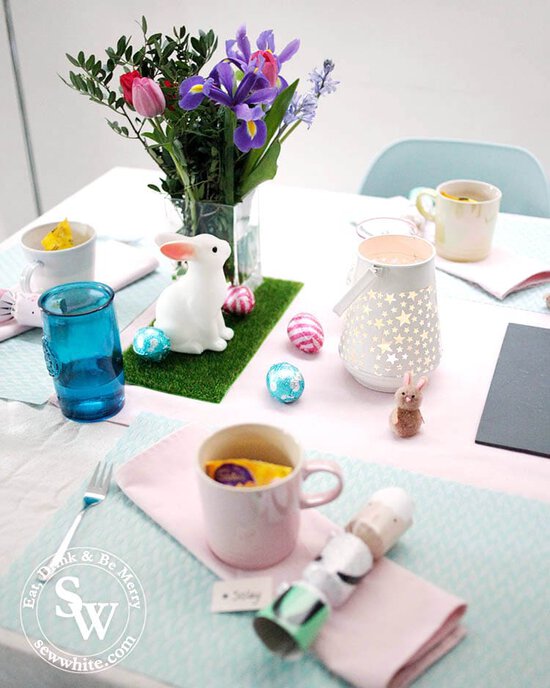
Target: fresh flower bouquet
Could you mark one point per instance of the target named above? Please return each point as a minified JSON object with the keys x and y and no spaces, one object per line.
{"x":215,"y":138}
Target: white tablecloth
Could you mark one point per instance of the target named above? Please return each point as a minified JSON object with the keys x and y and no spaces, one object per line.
{"x":306,"y":236}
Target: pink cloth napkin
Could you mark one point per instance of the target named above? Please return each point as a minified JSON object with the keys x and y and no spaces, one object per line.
{"x":501,"y":273}
{"x":117,"y":265}
{"x":391,"y":630}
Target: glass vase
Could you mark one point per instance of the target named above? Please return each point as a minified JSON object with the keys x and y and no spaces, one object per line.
{"x":237,"y":224}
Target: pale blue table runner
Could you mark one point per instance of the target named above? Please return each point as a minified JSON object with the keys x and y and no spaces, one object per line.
{"x":490,"y":548}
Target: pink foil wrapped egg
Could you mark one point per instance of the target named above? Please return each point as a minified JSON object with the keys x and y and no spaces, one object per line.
{"x":306,"y":333}
{"x":239,"y":300}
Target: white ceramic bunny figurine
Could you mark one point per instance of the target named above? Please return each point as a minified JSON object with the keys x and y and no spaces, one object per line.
{"x":189,"y":310}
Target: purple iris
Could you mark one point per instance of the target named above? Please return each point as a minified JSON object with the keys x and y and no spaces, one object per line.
{"x":253,"y":88}
{"x":193,"y":90}
{"x":238,"y":49}
{"x":252,"y":131}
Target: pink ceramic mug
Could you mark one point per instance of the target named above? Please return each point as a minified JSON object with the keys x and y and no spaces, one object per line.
{"x":256,"y":527}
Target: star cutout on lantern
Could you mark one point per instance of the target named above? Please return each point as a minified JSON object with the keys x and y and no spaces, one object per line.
{"x":413,"y":295}
{"x":424,"y":335}
{"x":378,"y":357}
{"x":386,"y":333}
{"x":405,"y":357}
{"x":404,"y":318}
{"x":379,"y":323}
{"x":366,"y":309}
{"x":384,"y":346}
{"x":399,"y":339}
{"x":384,"y":314}
{"x":371,"y":293}
{"x":390,"y":298}
{"x":399,"y":349}
{"x":379,"y":304}
{"x":392,"y":358}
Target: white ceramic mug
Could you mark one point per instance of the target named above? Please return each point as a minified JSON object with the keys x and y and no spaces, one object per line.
{"x":47,"y":269}
{"x":256,"y":527}
{"x":464,"y":229}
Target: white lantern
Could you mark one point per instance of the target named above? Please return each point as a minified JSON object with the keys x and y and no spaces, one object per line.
{"x":391,"y":323}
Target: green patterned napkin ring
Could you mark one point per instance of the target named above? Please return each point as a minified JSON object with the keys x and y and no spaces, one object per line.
{"x":290,"y":624}
{"x":293,"y":620}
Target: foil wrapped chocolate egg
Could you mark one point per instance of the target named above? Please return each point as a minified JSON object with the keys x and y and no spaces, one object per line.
{"x":151,"y":343}
{"x":306,"y":333}
{"x":285,"y":382}
{"x":239,"y":300}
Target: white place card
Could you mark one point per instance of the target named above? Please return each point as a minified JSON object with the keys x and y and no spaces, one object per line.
{"x":242,"y":594}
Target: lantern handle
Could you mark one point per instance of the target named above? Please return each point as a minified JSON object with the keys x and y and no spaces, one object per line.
{"x":356,"y":290}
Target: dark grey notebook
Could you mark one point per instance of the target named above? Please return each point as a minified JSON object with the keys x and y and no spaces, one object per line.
{"x":517,"y":411}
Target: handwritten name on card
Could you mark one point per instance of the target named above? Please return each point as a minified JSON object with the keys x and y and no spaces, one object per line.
{"x":241,"y":594}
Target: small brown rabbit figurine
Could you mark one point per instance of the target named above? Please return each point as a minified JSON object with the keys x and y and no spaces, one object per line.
{"x":406,"y":419}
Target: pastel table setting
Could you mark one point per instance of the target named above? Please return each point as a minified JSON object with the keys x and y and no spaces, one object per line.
{"x":266,"y":436}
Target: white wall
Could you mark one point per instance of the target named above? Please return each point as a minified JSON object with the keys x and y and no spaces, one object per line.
{"x":16,"y":200}
{"x":472,"y":69}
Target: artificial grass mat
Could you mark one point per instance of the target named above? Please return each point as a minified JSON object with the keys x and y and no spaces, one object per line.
{"x":208,"y":376}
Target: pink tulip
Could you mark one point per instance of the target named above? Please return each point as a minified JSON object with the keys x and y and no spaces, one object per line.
{"x":147,"y":97}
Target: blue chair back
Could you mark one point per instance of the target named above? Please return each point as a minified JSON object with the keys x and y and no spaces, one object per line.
{"x":410,"y":163}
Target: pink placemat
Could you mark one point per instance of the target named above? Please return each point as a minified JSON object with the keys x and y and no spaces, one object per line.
{"x":391,"y":630}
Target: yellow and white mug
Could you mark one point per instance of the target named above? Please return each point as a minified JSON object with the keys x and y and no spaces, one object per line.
{"x":465,"y":214}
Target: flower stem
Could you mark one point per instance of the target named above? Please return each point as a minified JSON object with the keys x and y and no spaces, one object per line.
{"x":289,"y":131}
{"x":228,"y":158}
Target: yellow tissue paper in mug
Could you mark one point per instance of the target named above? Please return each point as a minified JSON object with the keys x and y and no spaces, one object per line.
{"x":245,"y":472}
{"x":60,"y":237}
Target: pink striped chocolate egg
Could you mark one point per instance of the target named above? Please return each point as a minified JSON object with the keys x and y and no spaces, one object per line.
{"x":306,"y":333}
{"x":239,"y":300}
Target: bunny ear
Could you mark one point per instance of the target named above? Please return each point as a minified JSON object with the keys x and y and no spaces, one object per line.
{"x":421,"y":383}
{"x":407,"y":378}
{"x":178,"y":250}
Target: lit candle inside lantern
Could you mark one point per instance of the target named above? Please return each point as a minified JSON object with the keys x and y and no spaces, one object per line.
{"x":394,"y":250}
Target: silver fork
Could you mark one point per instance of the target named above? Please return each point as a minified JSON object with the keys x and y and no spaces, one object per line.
{"x":95,"y":493}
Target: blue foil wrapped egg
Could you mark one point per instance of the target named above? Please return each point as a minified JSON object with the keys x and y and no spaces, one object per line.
{"x":151,"y":343}
{"x":285,"y":382}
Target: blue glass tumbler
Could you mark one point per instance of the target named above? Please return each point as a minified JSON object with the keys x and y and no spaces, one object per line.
{"x":82,"y":349}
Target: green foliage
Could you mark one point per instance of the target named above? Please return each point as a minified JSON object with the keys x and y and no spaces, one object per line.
{"x":273,"y":121}
{"x":194,"y":149}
